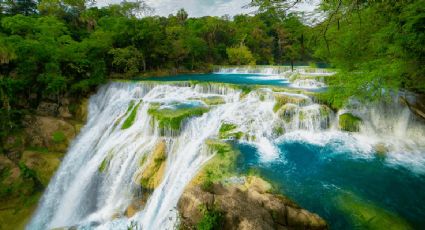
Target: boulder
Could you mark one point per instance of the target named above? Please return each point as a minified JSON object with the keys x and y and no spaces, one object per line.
{"x":249,"y":206}
{"x":381,"y":149}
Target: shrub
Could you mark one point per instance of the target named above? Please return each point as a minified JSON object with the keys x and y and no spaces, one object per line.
{"x":211,"y":219}
{"x":58,"y":137}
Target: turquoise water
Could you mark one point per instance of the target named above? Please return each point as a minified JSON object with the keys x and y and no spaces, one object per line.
{"x":342,"y":189}
{"x":246,"y":79}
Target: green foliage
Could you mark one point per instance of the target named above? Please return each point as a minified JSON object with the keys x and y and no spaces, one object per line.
{"x":240,"y":55}
{"x":26,"y":172}
{"x":58,"y":137}
{"x":377,"y":45}
{"x":211,"y":218}
{"x":127,"y":60}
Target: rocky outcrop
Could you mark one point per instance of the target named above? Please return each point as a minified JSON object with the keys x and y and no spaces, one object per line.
{"x":154,"y":171}
{"x":416,"y":104}
{"x":150,"y":177}
{"x":49,"y":132}
{"x":244,"y":206}
{"x":33,"y":154}
{"x":44,"y":165}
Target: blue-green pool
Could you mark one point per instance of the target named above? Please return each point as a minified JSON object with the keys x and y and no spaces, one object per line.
{"x":349,"y":192}
{"x":246,"y":79}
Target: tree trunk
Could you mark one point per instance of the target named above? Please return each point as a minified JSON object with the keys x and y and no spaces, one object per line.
{"x":292,"y":65}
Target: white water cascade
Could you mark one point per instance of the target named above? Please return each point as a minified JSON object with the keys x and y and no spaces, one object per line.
{"x":302,"y":77}
{"x":82,"y":196}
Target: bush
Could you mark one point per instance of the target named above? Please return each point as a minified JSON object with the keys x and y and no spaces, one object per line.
{"x":58,"y":137}
{"x":211,"y":219}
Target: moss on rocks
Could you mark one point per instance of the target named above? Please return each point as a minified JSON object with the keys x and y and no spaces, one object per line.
{"x":173,"y":118}
{"x":152,"y":175}
{"x":282,"y":99}
{"x":227,"y":131}
{"x":213,"y":100}
{"x":350,"y":123}
{"x":287,"y":112}
{"x":221,"y":166}
{"x":132,"y":115}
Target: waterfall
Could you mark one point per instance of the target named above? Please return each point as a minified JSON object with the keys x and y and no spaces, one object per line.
{"x":97,"y":179}
{"x":272,"y":70}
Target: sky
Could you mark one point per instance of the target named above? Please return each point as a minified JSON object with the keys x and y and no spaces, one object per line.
{"x":199,"y":8}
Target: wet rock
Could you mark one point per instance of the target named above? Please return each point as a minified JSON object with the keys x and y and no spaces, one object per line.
{"x":152,"y":175}
{"x":381,"y":149}
{"x":250,"y":206}
{"x":416,"y":104}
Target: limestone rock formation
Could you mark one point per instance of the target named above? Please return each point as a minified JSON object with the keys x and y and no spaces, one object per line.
{"x":248,"y":206}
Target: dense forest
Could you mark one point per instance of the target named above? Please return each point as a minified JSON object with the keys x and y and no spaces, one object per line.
{"x":51,"y":48}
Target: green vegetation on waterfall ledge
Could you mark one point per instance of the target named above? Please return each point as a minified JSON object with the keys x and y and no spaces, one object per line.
{"x":227,"y":131}
{"x":220,"y":167}
{"x":132,"y":116}
{"x":349,"y":122}
{"x":170,"y":118}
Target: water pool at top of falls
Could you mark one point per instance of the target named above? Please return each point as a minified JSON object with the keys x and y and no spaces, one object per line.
{"x":266,"y":76}
{"x":247,"y":79}
{"x":336,"y":174}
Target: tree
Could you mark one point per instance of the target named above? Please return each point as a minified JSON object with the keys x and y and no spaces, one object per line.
{"x":24,"y":7}
{"x":240,"y":55}
{"x":182,"y":15}
{"x":127,"y":60}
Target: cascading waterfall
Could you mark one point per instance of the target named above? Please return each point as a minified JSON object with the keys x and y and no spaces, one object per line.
{"x":96,"y":181}
{"x":301,"y":77}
